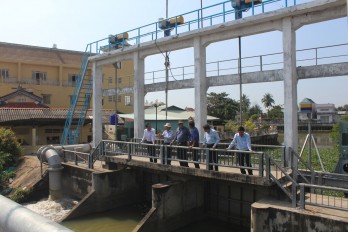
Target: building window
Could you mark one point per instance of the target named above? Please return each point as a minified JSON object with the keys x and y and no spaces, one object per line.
{"x":112,"y":98}
{"x":21,"y":100}
{"x":119,"y":80}
{"x":53,"y":131}
{"x":38,"y":77}
{"x":72,"y":79}
{"x":110,"y":80}
{"x":46,"y":99}
{"x":53,"y":140}
{"x":127,"y":100}
{"x":4,"y":73}
{"x":119,"y":98}
{"x":71,"y":99}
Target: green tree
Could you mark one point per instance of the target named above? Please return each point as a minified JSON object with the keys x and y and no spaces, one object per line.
{"x":276,"y":112}
{"x":255,"y":109}
{"x":10,"y":150}
{"x":343,"y":108}
{"x":268,"y":101}
{"x":245,"y":103}
{"x":221,"y":106}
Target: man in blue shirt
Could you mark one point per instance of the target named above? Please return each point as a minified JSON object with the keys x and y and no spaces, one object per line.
{"x":241,"y":141}
{"x":194,"y":141}
{"x":211,"y":139}
{"x":182,"y":137}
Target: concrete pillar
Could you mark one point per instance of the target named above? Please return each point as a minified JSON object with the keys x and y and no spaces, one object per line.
{"x":97,"y":104}
{"x":33,"y":136}
{"x":290,"y":89}
{"x":19,"y":71}
{"x":200,"y":84}
{"x":139,"y":94}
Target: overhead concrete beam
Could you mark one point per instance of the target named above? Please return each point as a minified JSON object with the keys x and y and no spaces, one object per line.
{"x":308,"y":72}
{"x":324,"y":70}
{"x":319,"y":16}
{"x":119,"y":91}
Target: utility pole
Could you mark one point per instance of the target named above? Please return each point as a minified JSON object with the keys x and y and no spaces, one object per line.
{"x":202,"y":13}
{"x":166,"y":64}
{"x":116,"y":65}
{"x":240,"y":79}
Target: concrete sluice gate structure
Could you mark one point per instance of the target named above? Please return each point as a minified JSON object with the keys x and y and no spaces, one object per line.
{"x":180,"y":196}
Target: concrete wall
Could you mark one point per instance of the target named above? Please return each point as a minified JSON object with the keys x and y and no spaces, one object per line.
{"x":279,"y":216}
{"x":76,"y":182}
{"x":109,"y":190}
{"x":175,"y":204}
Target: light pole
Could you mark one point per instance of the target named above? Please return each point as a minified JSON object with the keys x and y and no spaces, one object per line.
{"x":117,"y":65}
{"x":166,"y":64}
{"x":156,"y":106}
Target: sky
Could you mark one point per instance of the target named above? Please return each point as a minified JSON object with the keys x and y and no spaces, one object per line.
{"x":72,"y":24}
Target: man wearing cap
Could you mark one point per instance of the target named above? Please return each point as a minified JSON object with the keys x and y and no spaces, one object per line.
{"x":242,"y":142}
{"x":182,"y":137}
{"x":211,"y":139}
{"x":149,"y":138}
{"x":168,"y":136}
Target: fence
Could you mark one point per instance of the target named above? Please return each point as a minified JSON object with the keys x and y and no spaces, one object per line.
{"x":194,"y":20}
{"x":187,"y":155}
{"x":324,"y":196}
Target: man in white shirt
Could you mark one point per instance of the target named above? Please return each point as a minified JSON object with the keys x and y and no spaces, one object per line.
{"x":168,"y":135}
{"x":241,"y":141}
{"x":149,"y":138}
{"x":211,"y":139}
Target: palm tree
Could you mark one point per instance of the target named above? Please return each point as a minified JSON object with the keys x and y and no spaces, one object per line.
{"x":267,"y":101}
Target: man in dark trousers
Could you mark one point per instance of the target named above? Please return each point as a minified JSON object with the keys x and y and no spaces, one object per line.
{"x":194,"y":141}
{"x":211,"y":140}
{"x":182,"y":137}
{"x":242,"y":142}
{"x":149,"y":138}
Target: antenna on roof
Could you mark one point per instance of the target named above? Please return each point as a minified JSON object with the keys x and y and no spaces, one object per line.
{"x":54,"y":46}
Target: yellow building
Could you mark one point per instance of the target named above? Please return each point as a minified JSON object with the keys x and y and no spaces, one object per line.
{"x":51,"y":74}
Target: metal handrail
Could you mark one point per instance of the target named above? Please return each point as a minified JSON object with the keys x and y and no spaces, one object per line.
{"x":151,"y":30}
{"x":115,"y":148}
{"x":330,"y":200}
{"x":261,"y":64}
{"x":294,"y":185}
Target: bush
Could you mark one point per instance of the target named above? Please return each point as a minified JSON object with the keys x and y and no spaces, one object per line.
{"x":10,"y":151}
{"x":9,"y":144}
{"x":20,"y":195}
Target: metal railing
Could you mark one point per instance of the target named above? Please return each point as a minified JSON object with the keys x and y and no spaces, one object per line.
{"x":212,"y":15}
{"x":186,"y":155}
{"x":272,"y":61}
{"x":76,"y":157}
{"x":323,"y":196}
{"x":282,"y":177}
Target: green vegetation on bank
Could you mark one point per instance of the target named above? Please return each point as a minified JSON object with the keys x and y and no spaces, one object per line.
{"x":10,"y":151}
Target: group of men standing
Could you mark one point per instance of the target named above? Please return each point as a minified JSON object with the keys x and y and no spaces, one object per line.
{"x":189,"y":137}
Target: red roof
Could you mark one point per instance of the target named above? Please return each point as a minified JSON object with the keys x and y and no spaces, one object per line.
{"x":30,"y":105}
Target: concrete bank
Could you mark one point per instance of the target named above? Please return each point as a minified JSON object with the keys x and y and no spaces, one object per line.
{"x":270,"y":215}
{"x":175,"y":204}
{"x":99,"y":191}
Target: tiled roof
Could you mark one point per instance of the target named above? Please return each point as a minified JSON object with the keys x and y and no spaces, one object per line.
{"x":20,"y":91}
{"x":26,"y":105}
{"x":8,"y":115}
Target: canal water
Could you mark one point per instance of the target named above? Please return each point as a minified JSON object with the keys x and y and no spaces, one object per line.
{"x":125,"y":220}
{"x":120,"y":220}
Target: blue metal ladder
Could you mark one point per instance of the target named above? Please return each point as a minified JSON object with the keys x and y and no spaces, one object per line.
{"x":80,"y":101}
